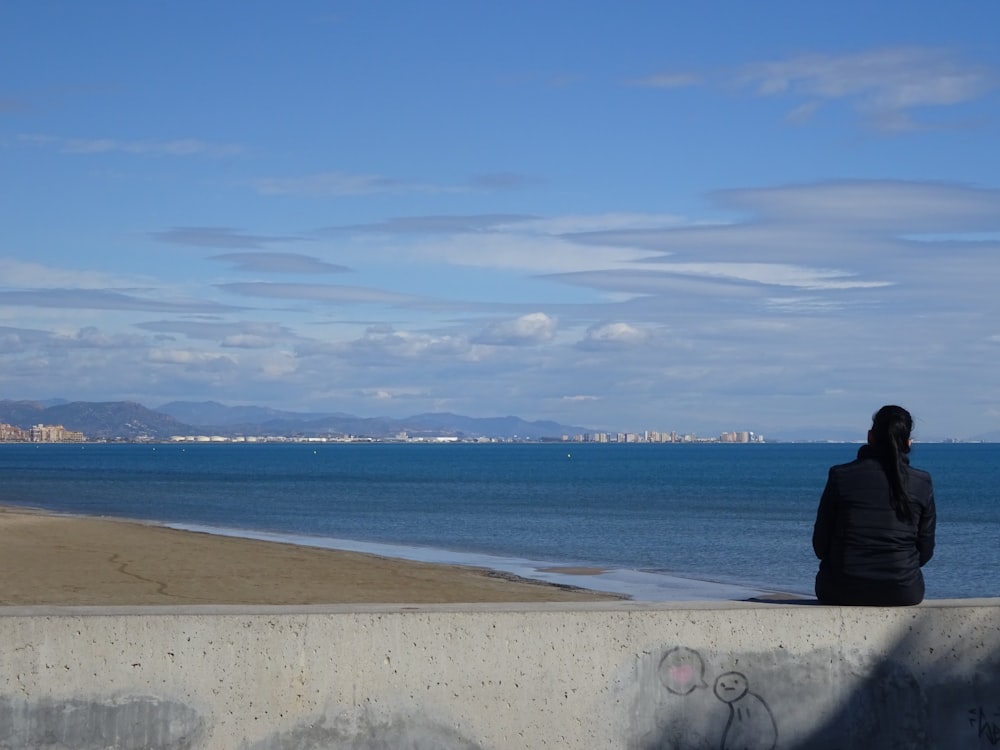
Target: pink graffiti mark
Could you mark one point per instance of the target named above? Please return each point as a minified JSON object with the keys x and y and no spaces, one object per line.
{"x":682,"y":674}
{"x":682,"y":671}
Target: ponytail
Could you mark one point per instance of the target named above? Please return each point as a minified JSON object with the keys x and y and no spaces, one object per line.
{"x":891,"y":427}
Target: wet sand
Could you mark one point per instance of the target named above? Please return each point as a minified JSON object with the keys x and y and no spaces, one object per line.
{"x":70,"y":560}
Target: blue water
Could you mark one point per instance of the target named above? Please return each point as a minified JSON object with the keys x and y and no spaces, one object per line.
{"x":736,"y":514}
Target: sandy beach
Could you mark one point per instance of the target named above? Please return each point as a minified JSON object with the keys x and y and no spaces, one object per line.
{"x":69,"y":560}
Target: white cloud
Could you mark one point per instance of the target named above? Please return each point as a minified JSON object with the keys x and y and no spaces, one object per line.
{"x":858,"y":219}
{"x":246,"y":341}
{"x":87,"y":337}
{"x":91,"y":337}
{"x":742,"y":304}
{"x":223,"y":331}
{"x":383,"y":343}
{"x":775,"y":274}
{"x":812,"y":305}
{"x":865,"y":206}
{"x":569,"y":223}
{"x":277,"y":366}
{"x":188,"y":357}
{"x":335,"y":294}
{"x":527,"y":253}
{"x":615,"y":335}
{"x":392,"y":393}
{"x":534,"y":328}
{"x":883,"y":85}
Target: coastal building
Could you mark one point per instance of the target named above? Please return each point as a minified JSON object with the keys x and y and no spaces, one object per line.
{"x":39,"y":433}
{"x":11,"y":434}
{"x":741,"y":437}
{"x":42,"y":433}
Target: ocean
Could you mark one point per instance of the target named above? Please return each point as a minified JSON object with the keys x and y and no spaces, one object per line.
{"x":654,"y":521}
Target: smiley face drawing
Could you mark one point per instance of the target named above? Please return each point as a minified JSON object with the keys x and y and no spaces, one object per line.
{"x":751,"y":724}
{"x":682,"y":670}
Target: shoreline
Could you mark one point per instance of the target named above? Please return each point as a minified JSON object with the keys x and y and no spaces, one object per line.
{"x":66,"y":559}
{"x":608,"y":581}
{"x":49,"y":557}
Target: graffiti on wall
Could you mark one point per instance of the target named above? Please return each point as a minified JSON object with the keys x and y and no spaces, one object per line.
{"x":728,"y":715}
{"x":751,"y":723}
{"x":366,"y":733}
{"x":986,"y":724}
{"x":682,"y":671}
{"x":687,"y":699}
{"x":129,"y":723}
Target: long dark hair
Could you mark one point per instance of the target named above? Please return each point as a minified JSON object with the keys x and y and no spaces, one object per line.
{"x":890,"y":436}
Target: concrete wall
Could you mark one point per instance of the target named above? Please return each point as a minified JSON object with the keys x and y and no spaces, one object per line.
{"x":607,"y":675}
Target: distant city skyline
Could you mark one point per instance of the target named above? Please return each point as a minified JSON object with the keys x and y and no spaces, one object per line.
{"x":209,"y":421}
{"x":781,"y":216}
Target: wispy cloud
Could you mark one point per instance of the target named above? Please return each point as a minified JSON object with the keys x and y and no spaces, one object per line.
{"x":91,"y":337}
{"x":438,"y":224}
{"x":774,"y":274}
{"x":512,"y":223}
{"x":868,"y":219}
{"x":191,"y":357}
{"x":221,"y":237}
{"x":13,"y":340}
{"x":291,"y":263}
{"x":889,"y":206}
{"x":504,"y":181}
{"x":884,"y":86}
{"x":176,"y":147}
{"x":346,"y":184}
{"x":102,"y":299}
{"x":569,"y":223}
{"x":340,"y":184}
{"x":523,"y":252}
{"x":334,"y":294}
{"x":668,"y":80}
{"x":235,"y":334}
{"x":25,"y":274}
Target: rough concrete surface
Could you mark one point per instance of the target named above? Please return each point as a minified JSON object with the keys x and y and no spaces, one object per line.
{"x":590,"y":675}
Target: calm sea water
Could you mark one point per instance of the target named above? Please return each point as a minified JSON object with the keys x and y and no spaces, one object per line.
{"x":737,"y":514}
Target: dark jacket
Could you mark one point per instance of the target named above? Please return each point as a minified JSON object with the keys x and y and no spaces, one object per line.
{"x":867,"y":555}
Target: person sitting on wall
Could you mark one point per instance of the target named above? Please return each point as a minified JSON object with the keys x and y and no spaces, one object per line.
{"x":876,"y":520}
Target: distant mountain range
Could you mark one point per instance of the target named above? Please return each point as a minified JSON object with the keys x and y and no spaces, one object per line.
{"x":126,"y":420}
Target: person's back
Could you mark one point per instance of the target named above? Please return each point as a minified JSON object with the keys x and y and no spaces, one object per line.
{"x":876,"y":521}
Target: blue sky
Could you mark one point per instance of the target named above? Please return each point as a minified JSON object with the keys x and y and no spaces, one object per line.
{"x":674,"y":216}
